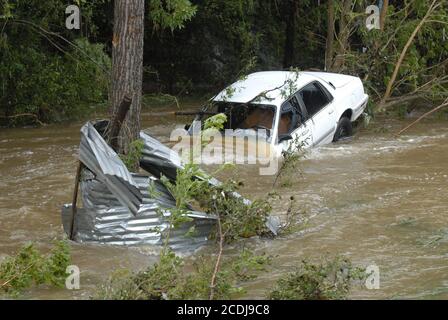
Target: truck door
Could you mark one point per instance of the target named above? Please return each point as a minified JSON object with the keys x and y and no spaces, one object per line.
{"x":293,"y":126}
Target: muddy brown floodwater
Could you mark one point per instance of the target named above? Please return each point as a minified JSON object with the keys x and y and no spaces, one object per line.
{"x":376,"y":199}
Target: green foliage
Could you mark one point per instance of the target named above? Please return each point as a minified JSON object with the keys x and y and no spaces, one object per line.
{"x":212,"y":126}
{"x":29,"y":267}
{"x":215,"y":122}
{"x":52,"y":79}
{"x":6,"y":9}
{"x":223,"y":275}
{"x":151,"y":284}
{"x":168,"y":279}
{"x":54,"y":271}
{"x":132,"y":158}
{"x":291,"y":161}
{"x":238,"y":218}
{"x":329,"y":279}
{"x":170,"y":14}
{"x":185,"y":187}
{"x":52,"y":76}
{"x":234,"y":271}
{"x":52,"y":87}
{"x":225,"y":36}
{"x":184,"y":190}
{"x":423,"y":62}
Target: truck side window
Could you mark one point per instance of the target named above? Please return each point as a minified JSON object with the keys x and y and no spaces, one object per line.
{"x":291,"y":117}
{"x":313,"y":98}
{"x":298,"y":111}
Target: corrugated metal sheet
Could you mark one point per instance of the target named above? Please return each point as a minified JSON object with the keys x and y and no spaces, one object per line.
{"x":158,"y":159}
{"x":103,"y":219}
{"x":117,"y":206}
{"x":108,"y":168}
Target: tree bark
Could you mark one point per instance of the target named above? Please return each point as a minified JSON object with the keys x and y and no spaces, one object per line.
{"x":127,"y":66}
{"x":329,"y":50}
{"x":117,"y":122}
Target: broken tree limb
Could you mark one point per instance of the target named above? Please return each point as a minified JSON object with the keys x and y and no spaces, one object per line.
{"x":75,"y":200}
{"x":444,"y":104}
{"x":391,"y":82}
{"x":117,"y":122}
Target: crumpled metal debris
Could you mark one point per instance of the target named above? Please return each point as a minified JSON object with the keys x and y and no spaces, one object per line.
{"x":118,"y":207}
{"x":101,"y":159}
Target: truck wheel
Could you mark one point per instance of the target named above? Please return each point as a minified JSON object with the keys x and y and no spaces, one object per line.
{"x":344,"y":129}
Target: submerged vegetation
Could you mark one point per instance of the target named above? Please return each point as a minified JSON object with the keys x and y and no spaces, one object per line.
{"x":329,"y":279}
{"x":212,"y":277}
{"x":220,"y":276}
{"x":30,"y":267}
{"x":168,"y":279}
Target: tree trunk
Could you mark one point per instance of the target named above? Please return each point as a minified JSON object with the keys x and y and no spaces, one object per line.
{"x":329,"y":51}
{"x":127,"y":66}
{"x":343,"y":35}
{"x":291,"y":10}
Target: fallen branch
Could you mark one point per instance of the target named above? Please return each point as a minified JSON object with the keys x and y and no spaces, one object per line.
{"x":15,"y":276}
{"x":391,"y":82}
{"x":444,"y":104}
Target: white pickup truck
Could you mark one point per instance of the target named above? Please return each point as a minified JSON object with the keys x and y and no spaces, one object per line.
{"x":314,"y":108}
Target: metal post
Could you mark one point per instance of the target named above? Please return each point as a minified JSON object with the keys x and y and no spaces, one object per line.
{"x":75,"y":199}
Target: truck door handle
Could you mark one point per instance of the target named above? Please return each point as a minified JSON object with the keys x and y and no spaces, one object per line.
{"x":330,"y":111}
